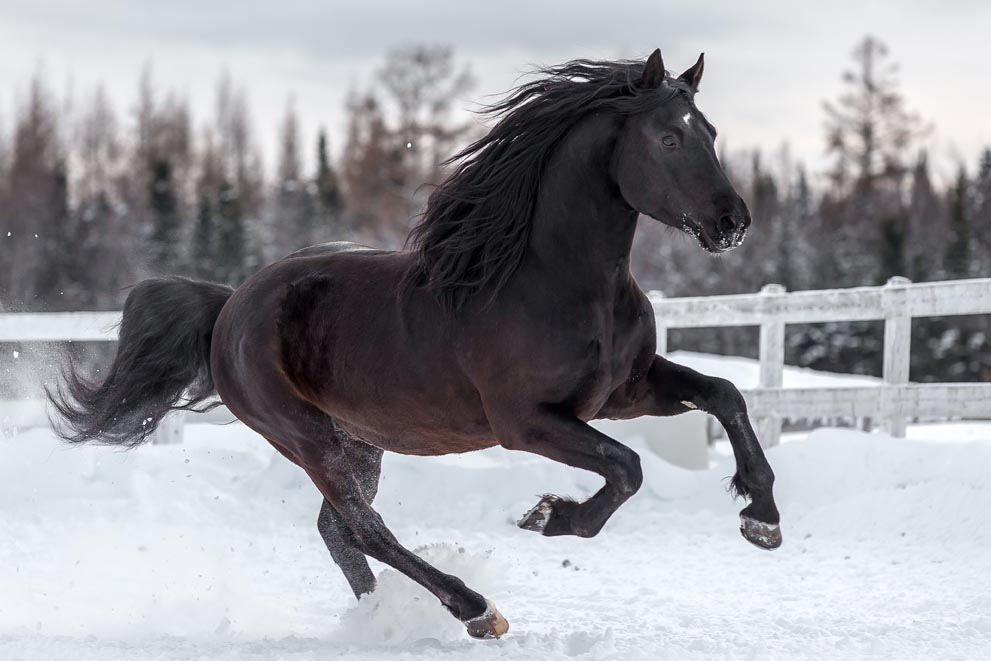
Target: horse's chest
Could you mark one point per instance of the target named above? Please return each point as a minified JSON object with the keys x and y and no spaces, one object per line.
{"x":608,"y":359}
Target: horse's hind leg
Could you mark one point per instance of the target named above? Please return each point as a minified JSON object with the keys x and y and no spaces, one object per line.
{"x":365,"y":462}
{"x":329,"y":467}
{"x":344,"y":550}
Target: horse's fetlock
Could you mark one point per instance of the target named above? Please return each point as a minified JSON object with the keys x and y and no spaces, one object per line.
{"x":760,"y":478}
{"x":585,"y":533}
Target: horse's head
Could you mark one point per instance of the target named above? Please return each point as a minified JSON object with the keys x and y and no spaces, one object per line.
{"x":666,"y":164}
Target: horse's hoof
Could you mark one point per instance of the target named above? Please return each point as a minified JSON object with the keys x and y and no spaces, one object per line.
{"x":760,"y":534}
{"x":538,"y":516}
{"x":490,"y":624}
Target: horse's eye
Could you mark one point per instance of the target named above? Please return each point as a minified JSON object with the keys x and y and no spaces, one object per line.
{"x":669,"y":141}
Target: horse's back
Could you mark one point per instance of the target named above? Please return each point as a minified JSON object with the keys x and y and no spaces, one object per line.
{"x":334,"y":247}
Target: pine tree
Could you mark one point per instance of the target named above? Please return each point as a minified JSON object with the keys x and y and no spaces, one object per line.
{"x":981,"y":219}
{"x":958,"y":241}
{"x":204,"y":239}
{"x":163,"y":202}
{"x":229,"y":238}
{"x":35,"y":260}
{"x":229,"y":234}
{"x":294,"y":216}
{"x":161,"y":163}
{"x":802,"y":235}
{"x":330,"y":199}
{"x":204,"y":262}
{"x":926,"y":227}
{"x":765,"y":206}
{"x":99,"y":267}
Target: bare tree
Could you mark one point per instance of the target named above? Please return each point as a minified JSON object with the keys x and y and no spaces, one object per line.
{"x":399,"y":135}
{"x":423,"y":84}
{"x":869,"y":132}
{"x":378,"y":199}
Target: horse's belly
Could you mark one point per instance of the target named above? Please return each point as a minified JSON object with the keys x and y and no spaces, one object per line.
{"x":424,"y":442}
{"x":423,"y":406}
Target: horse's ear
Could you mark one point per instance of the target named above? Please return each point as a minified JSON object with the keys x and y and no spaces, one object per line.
{"x":653,"y":71}
{"x":693,"y":75}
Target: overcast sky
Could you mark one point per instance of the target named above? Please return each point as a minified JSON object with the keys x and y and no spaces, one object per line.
{"x":769,"y":64}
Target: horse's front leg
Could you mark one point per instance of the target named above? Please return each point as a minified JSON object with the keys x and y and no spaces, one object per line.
{"x":561,"y":437}
{"x":670,"y":389}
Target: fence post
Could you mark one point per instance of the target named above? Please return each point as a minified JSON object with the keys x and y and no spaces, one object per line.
{"x":897,"y":345}
{"x":171,"y":429}
{"x":662,"y":329}
{"x":772,"y":365}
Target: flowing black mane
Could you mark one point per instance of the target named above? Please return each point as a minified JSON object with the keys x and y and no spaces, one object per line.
{"x":474,"y":232}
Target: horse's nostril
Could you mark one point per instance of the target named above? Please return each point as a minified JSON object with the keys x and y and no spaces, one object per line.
{"x":727,"y":224}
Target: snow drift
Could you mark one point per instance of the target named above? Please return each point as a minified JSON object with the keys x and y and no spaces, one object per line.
{"x":210,"y":550}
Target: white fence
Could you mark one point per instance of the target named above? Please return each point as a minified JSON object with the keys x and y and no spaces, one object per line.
{"x":771,"y":309}
{"x":896,"y":303}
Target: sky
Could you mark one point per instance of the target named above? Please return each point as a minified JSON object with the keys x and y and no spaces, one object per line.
{"x":769,"y":65}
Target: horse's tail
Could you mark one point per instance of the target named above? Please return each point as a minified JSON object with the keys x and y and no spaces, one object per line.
{"x":162,"y":363}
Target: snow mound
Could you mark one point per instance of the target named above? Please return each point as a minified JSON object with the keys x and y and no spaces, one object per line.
{"x":209,"y":549}
{"x":401,"y":612}
{"x":847,"y":484}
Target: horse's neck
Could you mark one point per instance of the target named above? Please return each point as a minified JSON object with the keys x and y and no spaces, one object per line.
{"x":582,"y":231}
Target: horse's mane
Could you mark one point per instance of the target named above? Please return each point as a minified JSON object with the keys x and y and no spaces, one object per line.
{"x":474,"y":233}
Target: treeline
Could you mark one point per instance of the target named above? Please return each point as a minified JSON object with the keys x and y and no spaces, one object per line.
{"x":91,"y":201}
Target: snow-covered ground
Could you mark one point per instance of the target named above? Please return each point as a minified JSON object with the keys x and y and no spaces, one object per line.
{"x":209,"y":550}
{"x":745,"y":372}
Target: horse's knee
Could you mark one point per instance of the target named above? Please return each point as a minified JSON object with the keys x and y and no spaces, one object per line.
{"x":725,"y":396}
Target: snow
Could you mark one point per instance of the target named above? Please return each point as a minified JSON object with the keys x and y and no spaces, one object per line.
{"x":209,"y":550}
{"x":745,"y":372}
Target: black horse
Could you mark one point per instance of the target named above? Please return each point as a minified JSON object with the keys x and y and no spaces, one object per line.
{"x":513,"y":320}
